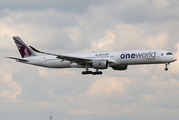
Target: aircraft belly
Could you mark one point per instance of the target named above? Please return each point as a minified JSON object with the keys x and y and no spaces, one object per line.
{"x":53,"y":63}
{"x":63,"y":64}
{"x":58,"y":64}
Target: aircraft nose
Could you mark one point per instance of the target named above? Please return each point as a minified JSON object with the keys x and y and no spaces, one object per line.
{"x":174,"y":58}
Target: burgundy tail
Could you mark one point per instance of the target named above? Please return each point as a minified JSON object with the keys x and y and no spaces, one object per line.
{"x":24,"y":50}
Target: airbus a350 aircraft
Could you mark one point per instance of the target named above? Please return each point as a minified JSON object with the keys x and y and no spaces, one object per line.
{"x":118,"y":60}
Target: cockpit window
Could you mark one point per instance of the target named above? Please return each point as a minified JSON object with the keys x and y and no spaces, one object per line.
{"x":169,"y":53}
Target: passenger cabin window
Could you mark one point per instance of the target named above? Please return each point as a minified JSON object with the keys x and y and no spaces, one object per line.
{"x":169,"y":54}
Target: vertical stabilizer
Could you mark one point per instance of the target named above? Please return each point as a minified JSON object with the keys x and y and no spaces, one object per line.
{"x":24,"y":50}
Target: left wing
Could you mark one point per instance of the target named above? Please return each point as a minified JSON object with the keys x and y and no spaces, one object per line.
{"x":78,"y":60}
{"x":19,"y":59}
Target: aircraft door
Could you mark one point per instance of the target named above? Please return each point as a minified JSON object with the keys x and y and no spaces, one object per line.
{"x":41,"y":59}
{"x":158,"y":54}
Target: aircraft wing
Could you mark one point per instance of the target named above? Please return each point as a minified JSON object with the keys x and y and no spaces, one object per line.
{"x":77,"y":60}
{"x":18,"y":59}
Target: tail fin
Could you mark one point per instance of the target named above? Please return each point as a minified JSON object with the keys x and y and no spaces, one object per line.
{"x":24,"y":50}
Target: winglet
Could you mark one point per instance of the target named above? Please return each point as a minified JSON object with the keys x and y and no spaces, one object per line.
{"x":41,"y":51}
{"x":35,"y":49}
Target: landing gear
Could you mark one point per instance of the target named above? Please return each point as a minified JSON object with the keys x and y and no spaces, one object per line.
{"x":86,"y":72}
{"x":166,"y":66}
{"x":90,"y":72}
{"x":97,"y":73}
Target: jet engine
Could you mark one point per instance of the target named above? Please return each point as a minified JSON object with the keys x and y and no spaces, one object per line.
{"x":100,"y":64}
{"x":119,"y":67}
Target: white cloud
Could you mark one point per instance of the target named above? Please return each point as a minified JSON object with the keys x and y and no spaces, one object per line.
{"x":43,"y":104}
{"x":80,"y":112}
{"x":127,"y":37}
{"x":107,"y":85}
{"x":107,"y":40}
{"x":135,"y":37}
{"x":12,"y":89}
{"x":175,"y":66}
{"x":171,"y":83}
{"x":148,"y":97}
{"x":47,"y":73}
{"x":7,"y":96}
{"x":76,"y":33}
{"x":159,"y":4}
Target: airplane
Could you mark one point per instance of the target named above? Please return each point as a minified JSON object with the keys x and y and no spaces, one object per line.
{"x":117,"y":60}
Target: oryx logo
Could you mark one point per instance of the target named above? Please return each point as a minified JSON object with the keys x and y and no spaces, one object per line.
{"x":24,"y":50}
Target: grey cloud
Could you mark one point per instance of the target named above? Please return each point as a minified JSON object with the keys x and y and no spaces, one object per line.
{"x":34,"y":87}
{"x":49,"y":18}
{"x":64,"y":84}
{"x":133,"y":12}
{"x":65,"y":6}
{"x":70,"y":94}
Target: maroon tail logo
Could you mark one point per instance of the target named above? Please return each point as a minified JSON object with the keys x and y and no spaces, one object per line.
{"x":22,"y":48}
{"x":100,"y":64}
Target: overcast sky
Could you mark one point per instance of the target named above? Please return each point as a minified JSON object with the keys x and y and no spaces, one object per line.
{"x":142,"y":92}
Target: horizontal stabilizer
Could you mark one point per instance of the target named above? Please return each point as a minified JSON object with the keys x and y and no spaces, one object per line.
{"x":18,"y":59}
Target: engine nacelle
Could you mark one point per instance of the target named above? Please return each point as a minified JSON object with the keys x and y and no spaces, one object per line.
{"x":119,"y":67}
{"x":100,"y":64}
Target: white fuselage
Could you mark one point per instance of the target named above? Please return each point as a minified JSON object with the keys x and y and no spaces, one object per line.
{"x":132,"y":57}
